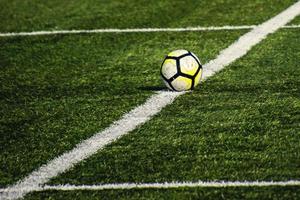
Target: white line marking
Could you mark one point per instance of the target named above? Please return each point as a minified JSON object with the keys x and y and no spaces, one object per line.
{"x":216,"y":184}
{"x":144,"y":112}
{"x":135,"y":30}
{"x":292,"y":26}
{"x":127,"y":186}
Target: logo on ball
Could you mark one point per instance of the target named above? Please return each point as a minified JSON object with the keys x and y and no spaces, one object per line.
{"x":181,"y":70}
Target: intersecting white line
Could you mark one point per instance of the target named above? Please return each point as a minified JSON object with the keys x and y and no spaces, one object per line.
{"x":136,"y":30}
{"x":144,"y":112}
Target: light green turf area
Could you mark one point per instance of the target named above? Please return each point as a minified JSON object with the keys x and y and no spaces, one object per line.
{"x":273,"y":193}
{"x":56,"y":91}
{"x":20,"y":15}
{"x":242,"y":124}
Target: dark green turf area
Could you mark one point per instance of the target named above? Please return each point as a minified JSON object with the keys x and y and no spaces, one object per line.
{"x":58,"y":90}
{"x":20,"y":15}
{"x":184,"y":193}
{"x":296,"y":20}
{"x":241,"y":124}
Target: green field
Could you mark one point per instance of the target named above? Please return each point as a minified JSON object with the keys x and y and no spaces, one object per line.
{"x":19,"y":15}
{"x":186,"y":193}
{"x":243,"y":124}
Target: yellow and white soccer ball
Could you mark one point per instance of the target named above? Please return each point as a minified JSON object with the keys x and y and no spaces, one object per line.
{"x":181,"y":70}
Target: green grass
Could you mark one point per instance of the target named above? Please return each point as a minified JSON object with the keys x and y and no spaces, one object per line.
{"x":296,"y":20}
{"x":20,"y":15}
{"x":57,"y":91}
{"x":184,"y":193}
{"x":242,"y":124}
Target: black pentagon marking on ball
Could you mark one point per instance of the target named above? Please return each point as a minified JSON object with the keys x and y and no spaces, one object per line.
{"x":170,"y":57}
{"x":174,"y":77}
{"x":184,"y":55}
{"x":172,"y":86}
{"x":187,"y":76}
{"x":193,"y":84}
{"x":178,"y":66}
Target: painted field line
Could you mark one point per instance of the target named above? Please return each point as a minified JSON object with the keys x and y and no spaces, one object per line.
{"x":135,"y":30}
{"x":292,"y":26}
{"x":215,"y":184}
{"x":144,"y":112}
{"x":166,"y":185}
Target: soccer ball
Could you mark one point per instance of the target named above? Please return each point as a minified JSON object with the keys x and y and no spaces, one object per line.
{"x":181,"y":70}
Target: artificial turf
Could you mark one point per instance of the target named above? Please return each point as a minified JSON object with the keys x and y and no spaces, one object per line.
{"x":241,"y":124}
{"x":296,"y":21}
{"x":20,"y":15}
{"x":274,"y":193}
{"x":59,"y":90}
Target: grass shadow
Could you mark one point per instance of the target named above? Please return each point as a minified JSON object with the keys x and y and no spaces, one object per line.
{"x":153,"y":88}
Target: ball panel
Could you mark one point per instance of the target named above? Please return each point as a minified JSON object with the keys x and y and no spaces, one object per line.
{"x":198,"y":77}
{"x":181,"y":70}
{"x":169,"y":68}
{"x":188,"y":65}
{"x":182,"y":83}
{"x":177,"y":53}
